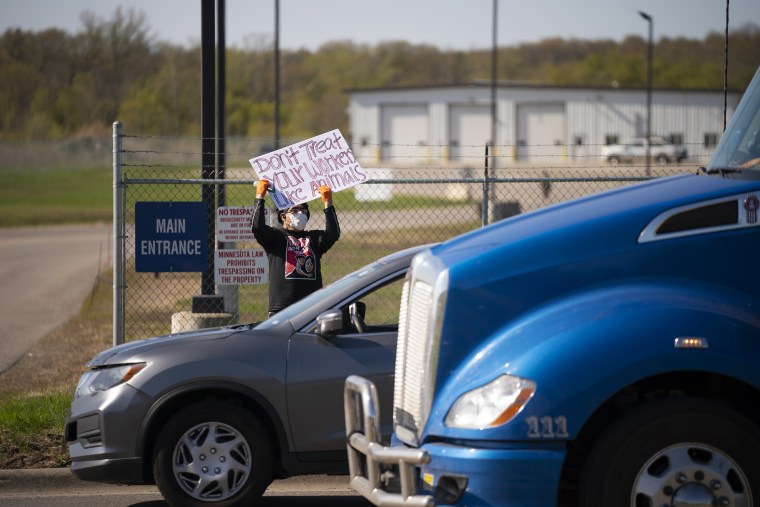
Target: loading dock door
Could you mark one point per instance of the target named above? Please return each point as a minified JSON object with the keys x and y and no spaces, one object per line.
{"x":469,"y":131}
{"x":540,"y":131}
{"x":404,"y":130}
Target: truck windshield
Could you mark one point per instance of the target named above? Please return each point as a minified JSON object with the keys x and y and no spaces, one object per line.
{"x":739,"y":148}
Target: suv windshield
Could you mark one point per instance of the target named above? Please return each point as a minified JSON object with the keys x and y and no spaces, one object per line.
{"x":739,"y":148}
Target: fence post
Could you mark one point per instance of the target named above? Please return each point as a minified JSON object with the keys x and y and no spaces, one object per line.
{"x":118,"y":238}
{"x":484,"y":206}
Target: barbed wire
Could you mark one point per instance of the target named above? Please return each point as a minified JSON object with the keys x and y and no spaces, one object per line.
{"x":410,"y":145}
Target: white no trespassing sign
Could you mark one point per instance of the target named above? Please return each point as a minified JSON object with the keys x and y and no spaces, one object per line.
{"x":295,"y":172}
{"x":240,"y":267}
{"x":234,"y":223}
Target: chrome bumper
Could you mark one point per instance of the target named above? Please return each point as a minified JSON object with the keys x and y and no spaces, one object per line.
{"x":366,"y":454}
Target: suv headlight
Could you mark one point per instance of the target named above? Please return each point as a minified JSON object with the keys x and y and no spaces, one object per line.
{"x":493,"y":404}
{"x":105,"y":378}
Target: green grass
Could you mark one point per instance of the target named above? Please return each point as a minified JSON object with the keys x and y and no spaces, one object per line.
{"x":30,"y":423}
{"x":55,"y":197}
{"x":23,"y":416}
{"x":49,"y":197}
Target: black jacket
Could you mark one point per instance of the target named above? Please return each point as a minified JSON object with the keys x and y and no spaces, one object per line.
{"x":295,"y":268}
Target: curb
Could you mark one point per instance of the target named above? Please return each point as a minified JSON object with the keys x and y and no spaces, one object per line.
{"x":63,"y":481}
{"x":26,"y":478}
{"x":58,"y":479}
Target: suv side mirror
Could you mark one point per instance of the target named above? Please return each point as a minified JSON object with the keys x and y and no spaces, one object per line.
{"x":330,"y":323}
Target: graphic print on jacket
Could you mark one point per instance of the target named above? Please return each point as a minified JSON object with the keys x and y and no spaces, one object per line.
{"x":300,"y":261}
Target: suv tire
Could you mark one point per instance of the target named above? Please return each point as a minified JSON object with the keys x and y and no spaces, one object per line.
{"x":212,"y":454}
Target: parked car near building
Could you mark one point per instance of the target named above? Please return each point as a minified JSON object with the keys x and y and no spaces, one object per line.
{"x":213,"y":416}
{"x":634,"y":149}
{"x":600,"y":352}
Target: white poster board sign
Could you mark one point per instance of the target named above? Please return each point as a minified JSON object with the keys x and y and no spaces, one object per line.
{"x":295,"y":172}
{"x":240,"y":267}
{"x":233,"y":223}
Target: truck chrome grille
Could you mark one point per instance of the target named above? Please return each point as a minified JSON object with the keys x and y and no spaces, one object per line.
{"x":411,"y":362}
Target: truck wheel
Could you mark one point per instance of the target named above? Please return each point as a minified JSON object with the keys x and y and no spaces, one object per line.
{"x":662,"y":159}
{"x":613,"y":160}
{"x":212,"y":454}
{"x":675,"y":452}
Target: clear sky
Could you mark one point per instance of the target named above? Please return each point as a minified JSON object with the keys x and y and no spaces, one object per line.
{"x":447,"y":24}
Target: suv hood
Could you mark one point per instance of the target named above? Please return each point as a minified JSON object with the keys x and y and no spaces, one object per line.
{"x":123,"y":353}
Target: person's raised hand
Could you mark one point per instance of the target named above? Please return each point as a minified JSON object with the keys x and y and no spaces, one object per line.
{"x":261,"y":188}
{"x":325,"y":192}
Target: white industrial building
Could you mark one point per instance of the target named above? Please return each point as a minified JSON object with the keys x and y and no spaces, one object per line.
{"x":441,"y":124}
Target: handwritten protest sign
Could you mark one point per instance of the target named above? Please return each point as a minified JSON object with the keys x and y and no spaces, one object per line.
{"x":295,"y":172}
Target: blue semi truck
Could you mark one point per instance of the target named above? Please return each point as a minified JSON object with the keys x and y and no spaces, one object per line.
{"x":600,"y":352}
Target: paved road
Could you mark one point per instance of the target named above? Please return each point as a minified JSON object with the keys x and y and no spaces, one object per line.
{"x":46,"y":273}
{"x":59,"y":488}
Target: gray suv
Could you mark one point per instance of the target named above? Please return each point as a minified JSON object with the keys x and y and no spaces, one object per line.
{"x":213,"y":416}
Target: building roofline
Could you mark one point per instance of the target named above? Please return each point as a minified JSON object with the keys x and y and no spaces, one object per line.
{"x":528,"y":85}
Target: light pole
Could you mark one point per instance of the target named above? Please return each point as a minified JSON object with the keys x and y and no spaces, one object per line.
{"x":276,"y":74}
{"x":494,"y":74}
{"x":649,"y":90}
{"x":488,"y":204}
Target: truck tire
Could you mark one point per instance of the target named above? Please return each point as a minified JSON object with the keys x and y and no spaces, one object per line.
{"x":212,"y":454}
{"x":683,"y":451}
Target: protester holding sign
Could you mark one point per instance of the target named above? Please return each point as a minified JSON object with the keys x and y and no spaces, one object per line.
{"x":294,"y":254}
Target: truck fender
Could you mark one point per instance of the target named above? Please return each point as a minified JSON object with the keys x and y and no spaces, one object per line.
{"x":583,"y":348}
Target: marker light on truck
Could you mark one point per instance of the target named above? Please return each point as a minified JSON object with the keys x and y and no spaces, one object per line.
{"x":493,"y":404}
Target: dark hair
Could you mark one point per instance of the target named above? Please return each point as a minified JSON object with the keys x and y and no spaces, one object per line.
{"x":304,"y":205}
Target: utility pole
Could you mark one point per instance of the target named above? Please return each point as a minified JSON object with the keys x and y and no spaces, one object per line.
{"x":490,"y":205}
{"x":650,"y":54}
{"x":276,"y":74}
{"x":208,"y":301}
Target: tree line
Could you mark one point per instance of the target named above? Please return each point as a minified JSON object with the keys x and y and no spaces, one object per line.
{"x":56,"y":85}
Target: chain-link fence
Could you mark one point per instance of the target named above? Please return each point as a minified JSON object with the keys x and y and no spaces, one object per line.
{"x":403,"y":204}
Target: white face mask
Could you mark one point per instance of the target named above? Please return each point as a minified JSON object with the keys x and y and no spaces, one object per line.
{"x":298,"y":221}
